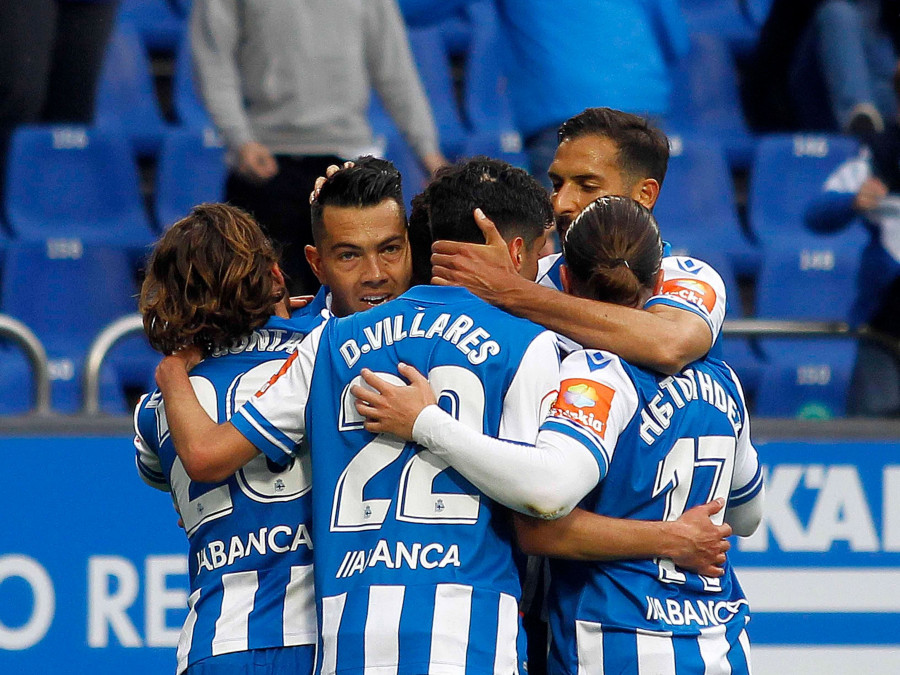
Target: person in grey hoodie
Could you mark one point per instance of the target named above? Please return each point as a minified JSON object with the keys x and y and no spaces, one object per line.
{"x":287,"y":83}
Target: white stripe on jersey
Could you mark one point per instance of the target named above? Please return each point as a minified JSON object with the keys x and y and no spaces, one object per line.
{"x":744,"y":639}
{"x":299,"y":620}
{"x":187,"y":633}
{"x":714,"y":650}
{"x":452,"y":614}
{"x":655,"y":652}
{"x":506,"y":657}
{"x":382,"y":640}
{"x":232,"y":626}
{"x":265,"y":434}
{"x":589,"y":643}
{"x":332,"y":611}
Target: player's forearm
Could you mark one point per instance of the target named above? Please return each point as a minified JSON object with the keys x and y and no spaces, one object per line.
{"x":210,"y":452}
{"x":645,"y":338}
{"x":744,"y":519}
{"x":545,"y":481}
{"x":583,"y":535}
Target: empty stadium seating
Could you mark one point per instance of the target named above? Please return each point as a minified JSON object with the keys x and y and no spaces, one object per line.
{"x":706,"y":101}
{"x":726,"y":19}
{"x":160,"y":23}
{"x":492,"y":131}
{"x":191,"y":170}
{"x":185,"y":97}
{"x":815,"y":280}
{"x":73,"y":182}
{"x":433,"y":61}
{"x":697,"y":209}
{"x":788,"y":170}
{"x":126,"y":99}
{"x":66,"y":293}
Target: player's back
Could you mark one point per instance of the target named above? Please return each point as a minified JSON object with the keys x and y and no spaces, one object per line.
{"x":250,"y":560}
{"x":414,"y":565}
{"x":672,"y":443}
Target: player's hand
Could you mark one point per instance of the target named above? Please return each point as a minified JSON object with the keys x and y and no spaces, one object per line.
{"x":320,"y":181}
{"x":485,"y":269}
{"x":299,"y":301}
{"x":392,"y":409}
{"x":256,"y":162}
{"x":183,"y":360}
{"x":870,"y":194}
{"x":701,"y":544}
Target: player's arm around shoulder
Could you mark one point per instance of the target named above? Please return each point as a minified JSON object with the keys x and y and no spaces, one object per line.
{"x":688,"y":308}
{"x":210,"y":452}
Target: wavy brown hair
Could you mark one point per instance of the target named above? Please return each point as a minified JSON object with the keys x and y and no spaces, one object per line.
{"x":209,"y":281}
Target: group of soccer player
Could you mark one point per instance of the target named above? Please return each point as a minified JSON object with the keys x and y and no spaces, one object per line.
{"x":361,"y":479}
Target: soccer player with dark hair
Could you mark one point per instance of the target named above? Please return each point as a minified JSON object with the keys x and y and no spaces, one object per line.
{"x":414,"y":566}
{"x":636,"y":445}
{"x":601,"y":152}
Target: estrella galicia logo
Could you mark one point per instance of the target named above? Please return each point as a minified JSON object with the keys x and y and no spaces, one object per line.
{"x":690,"y":266}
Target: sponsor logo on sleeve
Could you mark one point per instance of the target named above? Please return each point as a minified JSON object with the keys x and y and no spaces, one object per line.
{"x":274,"y":378}
{"x":694,"y":291}
{"x":585,"y":402}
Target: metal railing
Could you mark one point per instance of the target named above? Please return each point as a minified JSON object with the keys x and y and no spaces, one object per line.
{"x":34,"y":350}
{"x":105,"y":340}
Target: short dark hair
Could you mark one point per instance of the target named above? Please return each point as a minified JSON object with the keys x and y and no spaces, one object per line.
{"x":420,"y":240}
{"x":643,"y":148}
{"x":613,"y":251}
{"x":510,"y":197}
{"x":367,"y":183}
{"x":209,"y":281}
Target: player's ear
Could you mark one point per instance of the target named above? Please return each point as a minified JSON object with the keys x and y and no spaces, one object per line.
{"x":516,"y":248}
{"x":565,"y":279}
{"x":278,"y":275}
{"x":646,"y":192}
{"x":315,"y":263}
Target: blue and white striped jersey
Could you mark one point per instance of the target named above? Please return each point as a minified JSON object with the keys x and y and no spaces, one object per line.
{"x":414,"y":566}
{"x":688,"y":283}
{"x":250,"y":561}
{"x":663,"y":445}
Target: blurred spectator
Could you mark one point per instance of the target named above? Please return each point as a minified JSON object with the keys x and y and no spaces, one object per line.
{"x":850,"y":47}
{"x":287,"y":85}
{"x":568,"y":55}
{"x":867,"y":188}
{"x":51,"y":53}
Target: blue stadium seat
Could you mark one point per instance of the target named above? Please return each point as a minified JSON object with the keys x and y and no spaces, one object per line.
{"x":433,"y":62}
{"x":72,"y":182}
{"x":492,"y":131}
{"x":126,"y":98}
{"x":725,"y":19}
{"x":706,"y":100}
{"x":808,"y":279}
{"x":186,"y":99}
{"x":697,"y":211}
{"x":814,"y":384}
{"x":392,"y":146}
{"x":160,"y":23}
{"x":191,"y":170}
{"x":757,"y":11}
{"x":66,"y":293}
{"x":787,"y":172}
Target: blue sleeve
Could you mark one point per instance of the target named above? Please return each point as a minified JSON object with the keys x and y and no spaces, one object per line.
{"x":830,"y":211}
{"x":265,"y":436}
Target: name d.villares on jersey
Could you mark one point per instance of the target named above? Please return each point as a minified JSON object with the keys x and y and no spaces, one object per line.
{"x":473,"y":341}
